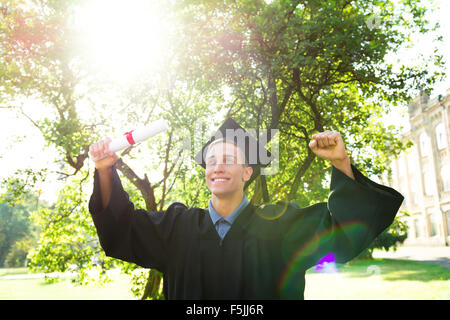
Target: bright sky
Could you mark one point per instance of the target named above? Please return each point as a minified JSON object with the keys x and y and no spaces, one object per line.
{"x":22,"y":145}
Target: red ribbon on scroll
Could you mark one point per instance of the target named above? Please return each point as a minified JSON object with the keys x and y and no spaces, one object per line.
{"x":129,"y":136}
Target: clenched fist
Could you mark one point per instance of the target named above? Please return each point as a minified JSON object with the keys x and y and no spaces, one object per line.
{"x":330,"y":146}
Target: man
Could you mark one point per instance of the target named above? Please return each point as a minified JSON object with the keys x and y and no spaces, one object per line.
{"x":233,"y":250}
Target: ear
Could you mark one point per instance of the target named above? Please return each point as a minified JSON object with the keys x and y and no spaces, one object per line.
{"x":248,"y":171}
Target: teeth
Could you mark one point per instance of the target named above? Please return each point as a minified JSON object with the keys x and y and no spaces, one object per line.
{"x":220,"y":179}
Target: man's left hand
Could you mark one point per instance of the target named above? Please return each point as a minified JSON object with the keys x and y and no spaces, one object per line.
{"x":330,"y":146}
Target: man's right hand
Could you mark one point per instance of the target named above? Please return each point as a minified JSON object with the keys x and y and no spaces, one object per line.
{"x":101,"y":149}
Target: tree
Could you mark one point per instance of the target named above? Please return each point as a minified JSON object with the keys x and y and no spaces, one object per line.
{"x":13,"y":226}
{"x":68,"y":239}
{"x":17,"y":255}
{"x":306,"y":66}
{"x":18,"y":200}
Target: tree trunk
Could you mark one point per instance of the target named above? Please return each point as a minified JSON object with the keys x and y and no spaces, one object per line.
{"x":152,"y":285}
{"x":298,"y":176}
{"x":261,"y":195}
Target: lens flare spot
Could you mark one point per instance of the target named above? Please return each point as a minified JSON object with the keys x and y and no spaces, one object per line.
{"x":272,"y":212}
{"x":327,"y":264}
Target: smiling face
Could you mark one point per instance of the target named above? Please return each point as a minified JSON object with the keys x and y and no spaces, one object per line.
{"x":226,"y":172}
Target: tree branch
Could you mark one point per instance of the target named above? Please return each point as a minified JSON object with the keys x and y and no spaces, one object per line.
{"x":318,"y":121}
{"x":299,"y":174}
{"x":143,"y":185}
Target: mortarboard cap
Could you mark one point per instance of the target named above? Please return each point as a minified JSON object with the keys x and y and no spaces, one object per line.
{"x":255,"y":152}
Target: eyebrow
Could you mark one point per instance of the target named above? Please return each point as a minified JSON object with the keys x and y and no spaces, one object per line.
{"x":224,"y":156}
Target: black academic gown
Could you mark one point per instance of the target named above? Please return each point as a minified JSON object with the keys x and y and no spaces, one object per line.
{"x":265,"y":253}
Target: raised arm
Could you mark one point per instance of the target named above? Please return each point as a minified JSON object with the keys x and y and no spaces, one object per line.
{"x":357,"y":210}
{"x":127,"y":233}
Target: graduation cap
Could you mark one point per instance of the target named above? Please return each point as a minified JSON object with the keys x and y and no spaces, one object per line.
{"x":254,"y":150}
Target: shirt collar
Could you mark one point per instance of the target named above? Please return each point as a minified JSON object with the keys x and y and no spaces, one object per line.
{"x":230,"y":219}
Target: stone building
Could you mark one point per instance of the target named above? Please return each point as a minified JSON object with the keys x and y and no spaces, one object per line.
{"x":422,"y":173}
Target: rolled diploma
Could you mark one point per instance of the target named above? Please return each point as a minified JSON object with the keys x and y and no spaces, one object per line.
{"x":137,"y":135}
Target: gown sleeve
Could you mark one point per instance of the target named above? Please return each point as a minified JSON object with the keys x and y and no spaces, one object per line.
{"x":357,"y":211}
{"x":130,"y":234}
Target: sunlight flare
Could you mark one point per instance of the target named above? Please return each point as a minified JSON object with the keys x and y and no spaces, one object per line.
{"x":124,"y":39}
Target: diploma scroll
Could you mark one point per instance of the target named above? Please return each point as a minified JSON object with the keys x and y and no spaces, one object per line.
{"x":135,"y":136}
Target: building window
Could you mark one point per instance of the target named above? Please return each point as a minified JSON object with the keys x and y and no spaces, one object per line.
{"x":445,"y":176}
{"x":448,"y":222}
{"x":434,"y":225}
{"x":414,"y":194}
{"x":441,"y":140}
{"x":424,"y":144}
{"x":417,"y":228}
{"x":428,"y":181}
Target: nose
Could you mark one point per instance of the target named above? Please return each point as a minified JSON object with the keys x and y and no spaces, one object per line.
{"x":219,"y":167}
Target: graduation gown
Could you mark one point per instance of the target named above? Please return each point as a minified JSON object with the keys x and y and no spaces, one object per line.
{"x":265,"y":253}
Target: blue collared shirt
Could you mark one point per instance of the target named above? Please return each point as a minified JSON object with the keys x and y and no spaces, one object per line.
{"x":224,"y":224}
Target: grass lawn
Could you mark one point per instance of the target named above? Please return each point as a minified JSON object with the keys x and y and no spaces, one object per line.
{"x":380,"y":279}
{"x":376,"y":279}
{"x":61,"y":289}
